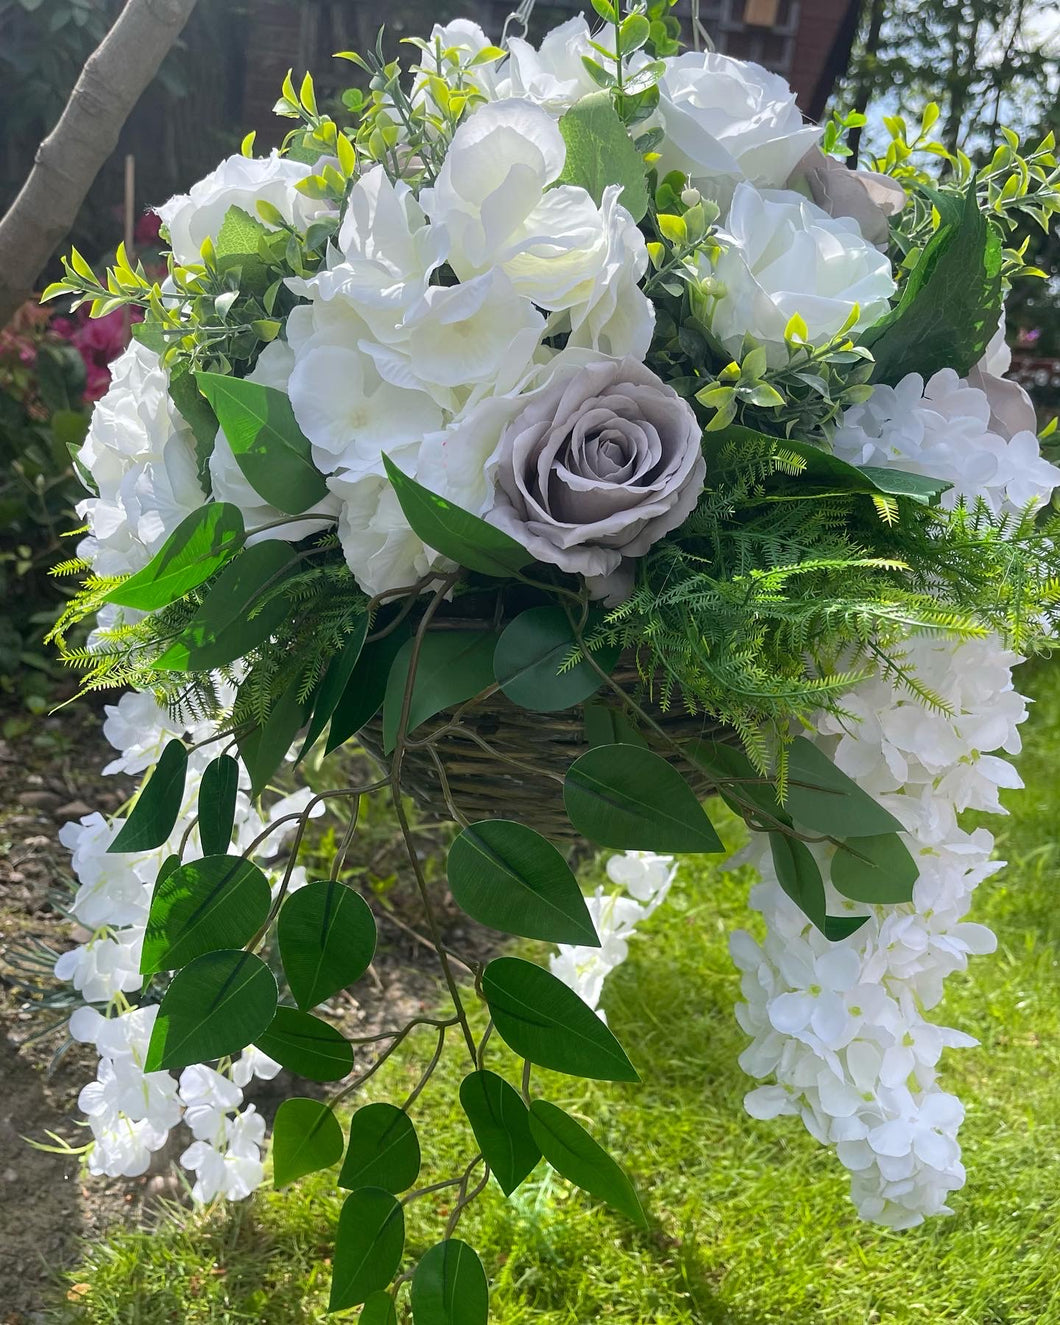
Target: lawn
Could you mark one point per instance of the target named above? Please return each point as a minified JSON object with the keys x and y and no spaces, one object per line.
{"x":750,"y":1224}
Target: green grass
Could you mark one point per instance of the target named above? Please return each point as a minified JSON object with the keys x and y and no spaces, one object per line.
{"x":750,"y":1221}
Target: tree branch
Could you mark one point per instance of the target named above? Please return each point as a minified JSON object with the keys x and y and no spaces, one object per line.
{"x":69,"y":159}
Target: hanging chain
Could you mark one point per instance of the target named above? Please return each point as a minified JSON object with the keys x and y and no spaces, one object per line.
{"x":520,"y":15}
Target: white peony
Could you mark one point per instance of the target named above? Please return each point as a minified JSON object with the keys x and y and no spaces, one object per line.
{"x":783,"y":255}
{"x":727,"y":120}
{"x":239,"y":181}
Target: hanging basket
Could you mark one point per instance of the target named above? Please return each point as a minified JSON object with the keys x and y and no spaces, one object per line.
{"x":502,"y":761}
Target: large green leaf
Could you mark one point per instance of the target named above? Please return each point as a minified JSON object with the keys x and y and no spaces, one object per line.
{"x":454,"y":532}
{"x":363,"y":697}
{"x":368,"y":1246}
{"x":507,"y":876}
{"x":877,"y":869}
{"x":453,"y":666}
{"x":543,"y":1020}
{"x":501,"y":1124}
{"x":574,"y":1154}
{"x":629,"y":798}
{"x":215,"y":1006}
{"x":824,"y":468}
{"x":384,"y":1150}
{"x":216,"y":902}
{"x":306,"y":1137}
{"x":198,"y":414}
{"x":270,"y":448}
{"x":951,"y":302}
{"x":334,"y":682}
{"x":326,"y":934}
{"x":154,"y":815}
{"x":739,"y":783}
{"x":378,"y":1309}
{"x":449,"y":1286}
{"x":217,"y":804}
{"x":198,"y":547}
{"x":601,"y":152}
{"x":606,"y":724}
{"x":822,"y":797}
{"x":223,"y":629}
{"x":530,"y":653}
{"x":306,"y":1046}
{"x":264,"y":747}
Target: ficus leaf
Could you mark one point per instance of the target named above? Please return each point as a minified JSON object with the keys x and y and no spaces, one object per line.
{"x":306,"y":1137}
{"x":217,"y":804}
{"x":384,"y":1150}
{"x":216,"y":1005}
{"x":363,"y":696}
{"x":501,"y":1124}
{"x":306,"y":1046}
{"x":215,"y":902}
{"x":822,"y":797}
{"x":449,"y":1286}
{"x":453,"y":666}
{"x":530,"y":653}
{"x":334,"y":681}
{"x":368,"y":1246}
{"x":574,"y":1155}
{"x":326,"y":935}
{"x":877,"y":869}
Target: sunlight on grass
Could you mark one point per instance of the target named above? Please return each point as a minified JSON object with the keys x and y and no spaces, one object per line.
{"x":750,"y":1221}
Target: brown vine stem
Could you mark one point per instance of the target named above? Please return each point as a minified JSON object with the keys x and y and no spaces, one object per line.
{"x":402,"y":817}
{"x":344,"y":846}
{"x":466,"y":1197}
{"x":427,"y":1073}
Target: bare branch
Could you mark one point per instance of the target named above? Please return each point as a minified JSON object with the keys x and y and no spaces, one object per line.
{"x":71,"y":156}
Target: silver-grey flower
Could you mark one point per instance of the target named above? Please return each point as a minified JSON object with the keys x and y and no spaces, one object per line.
{"x":596,"y":468}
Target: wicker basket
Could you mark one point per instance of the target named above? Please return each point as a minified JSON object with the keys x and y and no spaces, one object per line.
{"x":544,"y":745}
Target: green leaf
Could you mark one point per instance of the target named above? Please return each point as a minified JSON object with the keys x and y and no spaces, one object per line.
{"x":822,"y":797}
{"x":543,"y":1020}
{"x":824,"y":468}
{"x":607,"y":725}
{"x":877,"y":869}
{"x":334,"y":682}
{"x":454,"y":532}
{"x":198,"y":414}
{"x":264,"y":747}
{"x":217,"y":804}
{"x":223,"y":630}
{"x":215,"y":1006}
{"x":239,"y":234}
{"x":453,"y":666}
{"x":601,"y":152}
{"x":501,"y":1124}
{"x":154,"y":815}
{"x":198,"y":547}
{"x":626,"y":797}
{"x":384,"y":1150}
{"x":368,"y":1246}
{"x":739,"y":783}
{"x":507,"y":876}
{"x":326,"y":935}
{"x":799,"y":875}
{"x":951,"y":301}
{"x":363,"y":697}
{"x":216,"y":902}
{"x":530,"y":653}
{"x":270,"y":448}
{"x":307,"y":1046}
{"x":306,"y":1137}
{"x":378,"y":1310}
{"x":574,"y":1155}
{"x":449,"y":1286}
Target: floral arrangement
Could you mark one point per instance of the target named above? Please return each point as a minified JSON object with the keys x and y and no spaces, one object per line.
{"x":575,"y":417}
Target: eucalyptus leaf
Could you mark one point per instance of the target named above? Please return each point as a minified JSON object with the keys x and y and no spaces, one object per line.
{"x":306,"y":1137}
{"x":600,"y":152}
{"x":198,"y":547}
{"x":214,"y":1006}
{"x":454,"y":532}
{"x":449,"y":1286}
{"x":154,"y":815}
{"x":326,"y":935}
{"x":453,"y":666}
{"x":574,"y":1155}
{"x":530,"y":653}
{"x":800,"y":876}
{"x":368,"y":1246}
{"x":224,"y":629}
{"x":217,"y":804}
{"x":541,"y":1019}
{"x":215,"y":902}
{"x":363,"y":696}
{"x":271,"y":450}
{"x":506,"y":875}
{"x":626,"y":797}
{"x":306,"y":1046}
{"x":501,"y":1124}
{"x":822,"y":797}
{"x":877,"y":869}
{"x":384,"y":1150}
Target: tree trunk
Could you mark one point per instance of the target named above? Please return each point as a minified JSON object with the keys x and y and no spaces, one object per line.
{"x":867,"y":81}
{"x":71,"y":156}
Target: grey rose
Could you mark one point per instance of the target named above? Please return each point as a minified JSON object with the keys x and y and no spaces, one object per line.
{"x":597,"y":468}
{"x":870,"y":198}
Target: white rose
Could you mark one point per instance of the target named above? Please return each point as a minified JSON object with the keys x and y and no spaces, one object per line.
{"x":239,"y":181}
{"x":726,"y":120}
{"x":783,"y":255}
{"x":553,"y":76}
